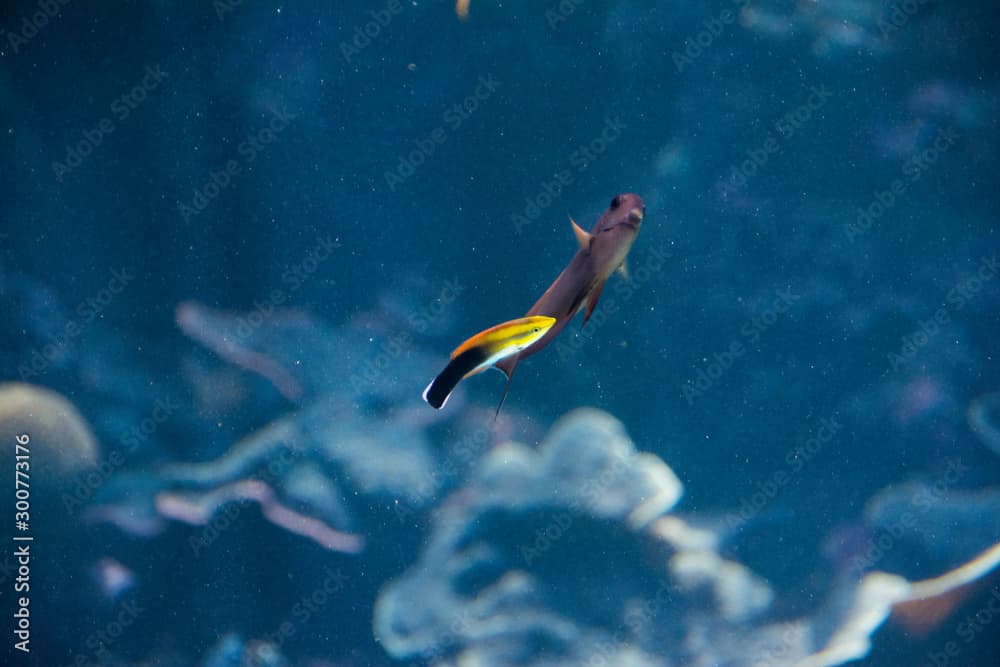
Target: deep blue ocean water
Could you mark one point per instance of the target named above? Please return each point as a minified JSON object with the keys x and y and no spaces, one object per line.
{"x":221,"y":216}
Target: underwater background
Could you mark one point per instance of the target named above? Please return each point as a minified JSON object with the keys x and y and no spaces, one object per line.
{"x":238,"y":238}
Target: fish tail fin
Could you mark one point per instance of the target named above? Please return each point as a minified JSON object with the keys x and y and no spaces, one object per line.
{"x":440,"y":388}
{"x":499,"y":346}
{"x":437,"y":392}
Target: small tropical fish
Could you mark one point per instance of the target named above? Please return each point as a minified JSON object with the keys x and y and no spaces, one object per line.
{"x":602,"y":252}
{"x":462,"y":9}
{"x":484,"y":350}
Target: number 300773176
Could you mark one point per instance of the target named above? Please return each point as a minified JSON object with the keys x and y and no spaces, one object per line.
{"x":22,"y":489}
{"x":22,"y":477}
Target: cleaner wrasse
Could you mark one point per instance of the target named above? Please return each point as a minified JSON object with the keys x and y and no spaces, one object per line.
{"x":484,"y":350}
{"x":601,"y":252}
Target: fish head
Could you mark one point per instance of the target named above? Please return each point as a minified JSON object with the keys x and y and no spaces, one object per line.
{"x":615,"y":233}
{"x":625,"y":211}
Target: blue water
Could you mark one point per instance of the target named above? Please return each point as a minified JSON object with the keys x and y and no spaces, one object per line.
{"x":221,"y":216}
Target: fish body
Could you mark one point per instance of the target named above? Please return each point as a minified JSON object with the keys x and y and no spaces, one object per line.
{"x":484,"y":350}
{"x":601,"y":252}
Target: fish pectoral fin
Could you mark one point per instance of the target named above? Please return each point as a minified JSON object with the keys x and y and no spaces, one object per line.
{"x":508,"y":369}
{"x":592,"y":299}
{"x":623,"y":269}
{"x":582,"y":237}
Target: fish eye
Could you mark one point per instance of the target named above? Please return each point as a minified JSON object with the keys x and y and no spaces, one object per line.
{"x":616,"y":202}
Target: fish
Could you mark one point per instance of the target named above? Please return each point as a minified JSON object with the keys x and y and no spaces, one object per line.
{"x":602,"y":251}
{"x":484,"y":350}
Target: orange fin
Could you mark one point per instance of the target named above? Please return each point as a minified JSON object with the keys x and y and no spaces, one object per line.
{"x":582,"y":237}
{"x":592,"y":298}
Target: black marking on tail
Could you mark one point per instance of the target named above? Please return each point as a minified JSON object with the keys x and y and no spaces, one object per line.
{"x":440,"y":388}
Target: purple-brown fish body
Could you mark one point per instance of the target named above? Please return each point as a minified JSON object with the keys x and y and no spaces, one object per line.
{"x":601,"y":253}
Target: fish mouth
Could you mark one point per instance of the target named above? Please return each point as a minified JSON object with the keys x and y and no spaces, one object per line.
{"x":634,"y":218}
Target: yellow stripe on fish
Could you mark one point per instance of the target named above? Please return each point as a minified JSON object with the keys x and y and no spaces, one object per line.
{"x":484,"y":350}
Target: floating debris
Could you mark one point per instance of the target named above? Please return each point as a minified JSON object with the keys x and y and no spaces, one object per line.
{"x":112,"y":577}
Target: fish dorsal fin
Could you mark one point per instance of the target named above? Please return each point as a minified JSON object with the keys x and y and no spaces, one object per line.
{"x":582,"y":237}
{"x":623,"y":269}
{"x":592,"y":299}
